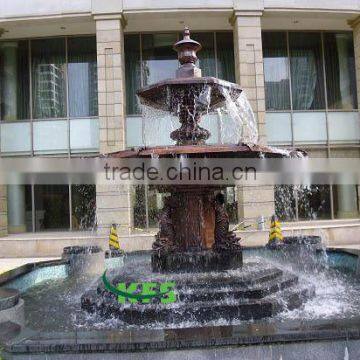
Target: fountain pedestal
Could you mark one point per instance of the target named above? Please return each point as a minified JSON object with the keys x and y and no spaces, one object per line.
{"x":194,"y":233}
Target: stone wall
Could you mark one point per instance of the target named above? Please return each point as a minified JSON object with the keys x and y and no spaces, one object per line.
{"x":3,"y":211}
{"x":253,"y":201}
{"x":113,"y":202}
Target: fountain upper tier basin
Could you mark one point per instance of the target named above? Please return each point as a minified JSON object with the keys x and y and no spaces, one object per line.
{"x":207,"y":151}
{"x":206,"y":92}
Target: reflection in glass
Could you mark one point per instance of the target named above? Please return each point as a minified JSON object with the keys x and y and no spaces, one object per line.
{"x":159,"y":59}
{"x":207,"y":53}
{"x":52,"y":207}
{"x":82,"y":75}
{"x":307,"y":81}
{"x":48,"y":78}
{"x":340,"y":70}
{"x":132,"y":72}
{"x":14,"y":80}
{"x":276,"y":65}
{"x":225,"y":56}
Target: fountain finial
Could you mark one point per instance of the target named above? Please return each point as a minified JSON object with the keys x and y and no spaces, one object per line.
{"x":187,"y":49}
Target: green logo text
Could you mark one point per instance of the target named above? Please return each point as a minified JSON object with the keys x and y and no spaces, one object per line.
{"x":142,"y":292}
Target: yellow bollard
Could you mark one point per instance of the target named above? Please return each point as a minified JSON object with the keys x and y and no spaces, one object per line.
{"x":113,"y":238}
{"x":275,"y":230}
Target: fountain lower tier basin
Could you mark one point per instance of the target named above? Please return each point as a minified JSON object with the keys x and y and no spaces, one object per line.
{"x":252,"y":292}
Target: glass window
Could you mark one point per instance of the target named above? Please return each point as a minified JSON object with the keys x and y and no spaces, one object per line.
{"x":276,"y":71}
{"x":307,"y":80}
{"x":82,"y":75}
{"x":52,"y":207}
{"x":159,"y":59}
{"x":285,"y":204}
{"x":83,"y":199}
{"x":314,"y":202}
{"x":207,"y":53}
{"x":14,"y":80}
{"x":132,"y":72}
{"x":225,"y":56}
{"x":48,"y":78}
{"x":139,"y":206}
{"x":340,"y":70}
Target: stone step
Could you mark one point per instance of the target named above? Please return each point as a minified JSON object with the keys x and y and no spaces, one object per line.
{"x":287,"y":295}
{"x":205,"y":311}
{"x":226,"y":280}
{"x":257,"y":291}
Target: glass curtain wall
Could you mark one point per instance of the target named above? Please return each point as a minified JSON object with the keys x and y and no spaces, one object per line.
{"x":310,"y":93}
{"x":310,"y":88}
{"x":150,"y":58}
{"x":48,"y":78}
{"x":316,"y":202}
{"x":60,"y":207}
{"x":48,"y":86}
{"x":309,"y":58}
{"x":14,"y":81}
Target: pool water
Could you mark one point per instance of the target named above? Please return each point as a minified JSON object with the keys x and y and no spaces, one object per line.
{"x":52,"y":299}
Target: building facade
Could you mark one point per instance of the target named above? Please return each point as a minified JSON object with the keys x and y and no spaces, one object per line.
{"x":69,"y":72}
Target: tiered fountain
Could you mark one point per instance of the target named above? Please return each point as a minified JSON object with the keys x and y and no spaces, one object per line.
{"x":194,"y":247}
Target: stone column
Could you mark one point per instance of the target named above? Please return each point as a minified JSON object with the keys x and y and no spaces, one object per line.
{"x":3,"y":211}
{"x":253,"y":201}
{"x":347,"y":201}
{"x":113,"y":202}
{"x":16,"y":209}
{"x":249,"y":67}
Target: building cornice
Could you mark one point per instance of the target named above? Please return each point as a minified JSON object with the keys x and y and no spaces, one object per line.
{"x":119,"y":16}
{"x":355,"y":22}
{"x":237,"y":13}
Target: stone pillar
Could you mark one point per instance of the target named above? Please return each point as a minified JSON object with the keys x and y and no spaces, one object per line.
{"x":9,"y":55}
{"x":347,"y":201}
{"x":113,"y":202}
{"x":3,"y":210}
{"x":253,"y":201}
{"x":16,"y":209}
{"x":249,"y":67}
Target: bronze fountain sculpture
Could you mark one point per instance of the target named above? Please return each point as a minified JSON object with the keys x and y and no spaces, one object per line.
{"x":194,"y":247}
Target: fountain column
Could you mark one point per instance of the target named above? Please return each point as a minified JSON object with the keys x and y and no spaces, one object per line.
{"x":254,"y":202}
{"x":3,"y":211}
{"x":113,"y":202}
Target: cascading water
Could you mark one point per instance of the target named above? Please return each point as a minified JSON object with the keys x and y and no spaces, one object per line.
{"x":237,"y":119}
